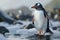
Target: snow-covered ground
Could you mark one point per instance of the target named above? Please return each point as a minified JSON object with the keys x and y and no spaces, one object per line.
{"x":25,"y":24}
{"x":13,"y":28}
{"x":19,"y":29}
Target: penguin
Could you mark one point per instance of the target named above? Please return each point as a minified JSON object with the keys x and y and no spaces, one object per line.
{"x":41,"y":22}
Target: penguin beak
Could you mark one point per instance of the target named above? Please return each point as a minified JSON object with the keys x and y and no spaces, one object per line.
{"x":33,"y":6}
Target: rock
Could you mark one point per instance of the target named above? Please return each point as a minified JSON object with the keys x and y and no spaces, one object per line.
{"x":30,"y":26}
{"x":18,"y":23}
{"x":3,"y":30}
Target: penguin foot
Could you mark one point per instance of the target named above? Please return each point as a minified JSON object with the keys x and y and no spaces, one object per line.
{"x":40,"y":32}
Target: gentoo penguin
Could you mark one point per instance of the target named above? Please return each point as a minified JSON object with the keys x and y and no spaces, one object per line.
{"x":40,"y":19}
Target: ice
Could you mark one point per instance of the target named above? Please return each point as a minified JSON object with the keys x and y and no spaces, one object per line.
{"x":56,"y":33}
{"x":47,"y":34}
{"x":14,"y":28}
{"x":26,"y":32}
{"x":11,"y":28}
{"x":16,"y":39}
{"x":25,"y":22}
{"x":56,"y":39}
{"x":4,"y":24}
{"x":33,"y":30}
{"x":23,"y":32}
{"x":55,"y":23}
{"x":19,"y":29}
{"x":2,"y":37}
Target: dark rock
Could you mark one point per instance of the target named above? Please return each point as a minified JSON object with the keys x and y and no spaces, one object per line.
{"x":54,"y":28}
{"x":3,"y":30}
{"x":1,"y":20}
{"x":19,"y":23}
{"x":30,"y":26}
{"x":24,"y":17}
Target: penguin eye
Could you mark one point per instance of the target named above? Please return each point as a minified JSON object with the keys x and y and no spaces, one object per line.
{"x":38,"y":4}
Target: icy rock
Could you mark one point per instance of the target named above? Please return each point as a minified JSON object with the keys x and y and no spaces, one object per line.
{"x":30,"y":26}
{"x":17,"y":39}
{"x":55,"y":23}
{"x":3,"y":30}
{"x":14,"y":28}
{"x":33,"y":30}
{"x":26,"y":32}
{"x":24,"y":22}
{"x":4,"y":24}
{"x":2,"y":37}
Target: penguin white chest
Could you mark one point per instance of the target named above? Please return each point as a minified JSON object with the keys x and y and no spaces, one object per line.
{"x":39,"y":19}
{"x":38,"y":15}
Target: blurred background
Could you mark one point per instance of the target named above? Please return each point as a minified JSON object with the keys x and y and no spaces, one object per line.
{"x":20,"y":9}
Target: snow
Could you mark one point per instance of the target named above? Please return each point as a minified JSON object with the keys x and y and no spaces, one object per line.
{"x":25,"y":22}
{"x":2,"y":37}
{"x":4,"y":24}
{"x":19,"y":29}
{"x":13,"y":28}
{"x":16,"y":39}
{"x":27,"y":32}
{"x":55,"y":23}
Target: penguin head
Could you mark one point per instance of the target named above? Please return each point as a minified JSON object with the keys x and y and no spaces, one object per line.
{"x":38,"y":6}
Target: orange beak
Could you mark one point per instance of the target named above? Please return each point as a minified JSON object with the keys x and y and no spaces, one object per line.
{"x":33,"y":6}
